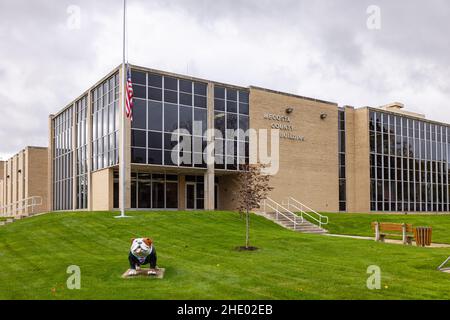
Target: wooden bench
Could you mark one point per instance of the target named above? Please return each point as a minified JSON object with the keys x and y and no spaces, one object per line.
{"x":384,"y":229}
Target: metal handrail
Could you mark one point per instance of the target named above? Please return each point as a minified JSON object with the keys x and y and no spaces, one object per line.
{"x":300,"y":207}
{"x":275,"y":206}
{"x":20,"y":207}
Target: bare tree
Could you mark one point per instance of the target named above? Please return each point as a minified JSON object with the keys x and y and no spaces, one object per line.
{"x":252,"y":188}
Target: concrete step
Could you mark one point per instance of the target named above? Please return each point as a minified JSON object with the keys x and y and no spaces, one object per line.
{"x":2,"y":223}
{"x":10,"y":220}
{"x":300,"y":226}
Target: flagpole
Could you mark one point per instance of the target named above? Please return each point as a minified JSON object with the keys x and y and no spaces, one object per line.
{"x":122,"y":149}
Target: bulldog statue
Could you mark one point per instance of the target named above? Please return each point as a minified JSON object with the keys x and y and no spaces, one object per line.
{"x":142,"y":252}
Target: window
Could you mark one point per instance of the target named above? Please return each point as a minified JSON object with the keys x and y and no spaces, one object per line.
{"x":150,"y":191}
{"x":231,"y":119}
{"x":407,"y":170}
{"x":105,"y":123}
{"x":63,"y":154}
{"x":171,"y":104}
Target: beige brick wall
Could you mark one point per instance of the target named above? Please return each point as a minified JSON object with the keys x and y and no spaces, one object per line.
{"x":2,"y":184}
{"x":37,"y":175}
{"x":308,"y":169}
{"x":25,"y":176}
{"x":362,"y":167}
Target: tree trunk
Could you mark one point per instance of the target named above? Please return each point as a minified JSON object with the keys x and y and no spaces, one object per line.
{"x":247,"y":233}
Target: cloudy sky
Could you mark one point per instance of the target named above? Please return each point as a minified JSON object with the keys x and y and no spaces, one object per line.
{"x":321,"y":48}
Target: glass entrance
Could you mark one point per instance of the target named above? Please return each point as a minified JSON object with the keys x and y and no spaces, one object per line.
{"x":191,"y":196}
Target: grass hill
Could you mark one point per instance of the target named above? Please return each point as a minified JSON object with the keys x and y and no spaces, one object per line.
{"x":197,"y":250}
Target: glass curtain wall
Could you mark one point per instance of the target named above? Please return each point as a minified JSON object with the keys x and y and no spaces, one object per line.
{"x":164,"y":113}
{"x":81,"y":153}
{"x":150,"y":191}
{"x":231,"y":119}
{"x":63,"y":160}
{"x":409,"y":164}
{"x":105,"y":124}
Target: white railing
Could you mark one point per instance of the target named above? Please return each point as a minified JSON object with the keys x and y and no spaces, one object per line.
{"x":307,"y":211}
{"x":21,"y":207}
{"x":280,"y":210}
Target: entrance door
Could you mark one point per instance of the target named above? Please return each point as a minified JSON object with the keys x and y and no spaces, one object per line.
{"x":191,"y":196}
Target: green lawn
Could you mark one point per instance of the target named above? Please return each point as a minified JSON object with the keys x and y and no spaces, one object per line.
{"x":360,"y":224}
{"x":197,"y":250}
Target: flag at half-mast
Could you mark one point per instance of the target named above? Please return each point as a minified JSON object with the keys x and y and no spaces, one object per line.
{"x":129,"y":95}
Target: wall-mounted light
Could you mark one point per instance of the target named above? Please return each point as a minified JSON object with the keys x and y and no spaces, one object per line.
{"x":323,"y":116}
{"x":19,"y":171}
{"x":7,"y":177}
{"x":289,"y":110}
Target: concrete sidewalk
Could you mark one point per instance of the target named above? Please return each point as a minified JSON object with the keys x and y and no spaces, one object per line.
{"x":391,"y":241}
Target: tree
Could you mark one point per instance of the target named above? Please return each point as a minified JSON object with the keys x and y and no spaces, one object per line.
{"x":252,"y":188}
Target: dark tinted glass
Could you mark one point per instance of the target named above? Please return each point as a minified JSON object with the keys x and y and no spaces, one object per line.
{"x":155,"y":94}
{"x":139,"y":114}
{"x":170,"y":83}
{"x":138,"y":77}
{"x":154,"y":140}
{"x":231,"y":94}
{"x":186,"y":118}
{"x":219,"y":93}
{"x":138,"y":138}
{"x":171,"y":195}
{"x":243,"y":123}
{"x":243,"y":97}
{"x":200,"y":101}
{"x":140,"y":91}
{"x":219,"y":121}
{"x":171,"y":177}
{"x":186,"y":86}
{"x":168,"y":158}
{"x":154,"y":157}
{"x":244,"y":109}
{"x":154,"y":80}
{"x":200,"y":115}
{"x":138,"y":155}
{"x":168,"y":143}
{"x":200,"y":89}
{"x":155,"y":116}
{"x":170,"y":96}
{"x":232,"y":106}
{"x":219,"y":105}
{"x":170,"y":117}
{"x":186,"y":99}
{"x":232,"y":121}
{"x":158,"y":195}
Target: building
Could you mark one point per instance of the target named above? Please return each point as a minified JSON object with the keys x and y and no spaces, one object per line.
{"x":332,"y":158}
{"x":23,"y":182}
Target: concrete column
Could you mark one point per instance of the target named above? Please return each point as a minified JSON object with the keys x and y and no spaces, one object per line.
{"x":50,"y":163}
{"x":127,"y":145}
{"x":209,"y":175}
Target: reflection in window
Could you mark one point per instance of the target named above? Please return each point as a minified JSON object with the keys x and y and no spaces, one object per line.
{"x":409,"y":164}
{"x":170,"y":104}
{"x":231,"y":119}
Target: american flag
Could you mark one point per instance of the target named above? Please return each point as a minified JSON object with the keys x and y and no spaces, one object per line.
{"x":129,"y":97}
